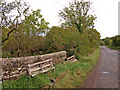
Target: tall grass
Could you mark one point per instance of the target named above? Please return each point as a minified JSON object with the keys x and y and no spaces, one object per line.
{"x":66,"y":74}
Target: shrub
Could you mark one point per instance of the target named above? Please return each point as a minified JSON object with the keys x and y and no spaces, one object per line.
{"x":72,"y":41}
{"x":23,"y":45}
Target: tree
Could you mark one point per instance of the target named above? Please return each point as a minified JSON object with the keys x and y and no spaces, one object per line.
{"x":34,"y":24}
{"x":107,"y":41}
{"x":26,"y":40}
{"x":77,"y":14}
{"x":59,"y":39}
{"x":70,"y":40}
{"x":115,"y":41}
{"x":10,"y":21}
{"x":21,"y":32}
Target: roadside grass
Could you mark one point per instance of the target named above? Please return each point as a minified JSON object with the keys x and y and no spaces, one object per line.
{"x":113,"y":47}
{"x":66,"y":74}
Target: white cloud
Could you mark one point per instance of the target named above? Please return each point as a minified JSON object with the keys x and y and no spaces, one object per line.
{"x":107,"y":13}
{"x":49,"y":9}
{"x":105,"y":10}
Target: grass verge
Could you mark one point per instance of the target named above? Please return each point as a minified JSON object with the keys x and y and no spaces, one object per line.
{"x":111,"y":47}
{"x":67,"y":75}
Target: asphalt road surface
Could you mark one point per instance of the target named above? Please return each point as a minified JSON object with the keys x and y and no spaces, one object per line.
{"x":0,"y":73}
{"x":0,"y":76}
{"x":105,"y":73}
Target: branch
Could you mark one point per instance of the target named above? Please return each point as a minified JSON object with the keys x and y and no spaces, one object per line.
{"x":8,"y":35}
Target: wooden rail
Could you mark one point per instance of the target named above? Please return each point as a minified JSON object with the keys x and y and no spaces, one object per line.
{"x":42,"y":67}
{"x":72,"y":58}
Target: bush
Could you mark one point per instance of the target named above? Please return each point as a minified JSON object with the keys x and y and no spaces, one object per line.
{"x":112,"y":42}
{"x":72,"y":41}
{"x":23,"y":45}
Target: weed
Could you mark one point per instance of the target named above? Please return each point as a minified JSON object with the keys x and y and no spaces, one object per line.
{"x":67,"y":75}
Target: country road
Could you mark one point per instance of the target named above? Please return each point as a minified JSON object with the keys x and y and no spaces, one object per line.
{"x":0,"y":73}
{"x":0,"y":76}
{"x":105,"y":73}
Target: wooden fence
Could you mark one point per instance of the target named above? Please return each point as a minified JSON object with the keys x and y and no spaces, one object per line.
{"x":40,"y":67}
{"x":12,"y":68}
{"x":72,"y":58}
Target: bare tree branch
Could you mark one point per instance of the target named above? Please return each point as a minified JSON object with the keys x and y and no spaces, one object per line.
{"x":7,"y":20}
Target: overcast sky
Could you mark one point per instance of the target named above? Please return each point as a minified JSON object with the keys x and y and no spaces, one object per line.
{"x":105,"y":10}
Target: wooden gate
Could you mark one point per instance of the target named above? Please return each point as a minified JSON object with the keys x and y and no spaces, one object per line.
{"x":42,"y":67}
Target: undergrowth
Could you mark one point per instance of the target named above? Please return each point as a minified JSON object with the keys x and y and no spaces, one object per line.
{"x":66,"y":74}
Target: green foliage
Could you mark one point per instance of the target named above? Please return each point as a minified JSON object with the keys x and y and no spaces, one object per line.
{"x":30,"y":36}
{"x":112,"y":42}
{"x":72,"y":41}
{"x":9,"y":20}
{"x":67,"y":75}
{"x":34,"y":24}
{"x":102,"y":42}
{"x":77,"y":15}
{"x":116,"y":42}
{"x":26,"y":40}
{"x":27,"y":36}
{"x":107,"y":41}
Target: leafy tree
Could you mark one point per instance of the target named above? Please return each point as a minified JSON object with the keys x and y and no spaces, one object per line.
{"x":77,"y":14}
{"x":72,"y":41}
{"x":9,"y":21}
{"x":112,"y":42}
{"x":22,"y":38}
{"x":34,"y":24}
{"x":102,"y":42}
{"x":63,"y":39}
{"x":115,"y":42}
{"x":93,"y":38}
{"x":107,"y":41}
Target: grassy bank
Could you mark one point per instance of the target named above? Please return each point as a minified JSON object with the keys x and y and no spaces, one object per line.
{"x":67,"y":75}
{"x":114,"y":48}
